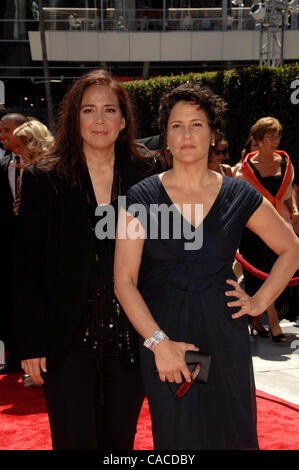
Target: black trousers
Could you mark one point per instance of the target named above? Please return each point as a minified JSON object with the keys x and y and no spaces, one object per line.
{"x":79,"y":420}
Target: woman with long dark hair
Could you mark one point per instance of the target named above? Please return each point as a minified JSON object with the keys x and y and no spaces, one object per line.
{"x":73,"y":336}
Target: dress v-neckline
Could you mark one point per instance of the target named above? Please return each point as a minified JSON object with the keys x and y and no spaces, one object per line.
{"x":92,"y":194}
{"x":90,"y":190}
{"x":194,"y":227}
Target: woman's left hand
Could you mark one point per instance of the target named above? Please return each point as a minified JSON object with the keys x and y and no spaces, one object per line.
{"x":249,"y":306}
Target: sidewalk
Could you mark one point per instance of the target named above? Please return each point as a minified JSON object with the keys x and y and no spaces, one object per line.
{"x":276,"y":365}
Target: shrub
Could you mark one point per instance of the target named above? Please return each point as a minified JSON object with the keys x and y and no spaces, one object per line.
{"x":250,"y":93}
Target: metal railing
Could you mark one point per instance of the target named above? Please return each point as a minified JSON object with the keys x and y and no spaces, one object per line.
{"x":139,"y":20}
{"x":170,"y":19}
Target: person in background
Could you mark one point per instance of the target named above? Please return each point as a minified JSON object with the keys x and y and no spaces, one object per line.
{"x":2,"y":113}
{"x":9,"y":177}
{"x":73,"y":336}
{"x":183,"y":298}
{"x":154,"y":145}
{"x":2,"y":150}
{"x":2,"y":110}
{"x":296,"y":196}
{"x":250,"y":146}
{"x":218,"y":154}
{"x":8,"y":123}
{"x":271,"y":172}
{"x":33,"y":141}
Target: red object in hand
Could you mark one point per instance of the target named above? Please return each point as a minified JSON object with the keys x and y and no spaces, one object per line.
{"x":186,"y":386}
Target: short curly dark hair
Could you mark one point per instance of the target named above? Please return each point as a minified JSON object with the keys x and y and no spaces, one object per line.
{"x":213,"y":106}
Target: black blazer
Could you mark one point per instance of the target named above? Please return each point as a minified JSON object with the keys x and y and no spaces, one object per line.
{"x":53,"y":255}
{"x":152,"y":143}
{"x":8,"y":219}
{"x":6,"y":196}
{"x":7,"y":233}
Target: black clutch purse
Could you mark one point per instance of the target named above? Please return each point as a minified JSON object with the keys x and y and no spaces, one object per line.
{"x":192,"y":358}
{"x":199,"y":365}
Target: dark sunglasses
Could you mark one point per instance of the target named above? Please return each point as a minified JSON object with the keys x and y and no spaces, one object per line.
{"x":218,"y":152}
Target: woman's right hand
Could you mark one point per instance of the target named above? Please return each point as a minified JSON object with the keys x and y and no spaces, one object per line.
{"x":170,"y":360}
{"x":33,"y":368}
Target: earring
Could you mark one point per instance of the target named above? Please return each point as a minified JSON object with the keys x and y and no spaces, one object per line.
{"x":212,"y":144}
{"x":167,"y":148}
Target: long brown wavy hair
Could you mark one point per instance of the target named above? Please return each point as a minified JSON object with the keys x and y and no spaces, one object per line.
{"x":68,"y":159}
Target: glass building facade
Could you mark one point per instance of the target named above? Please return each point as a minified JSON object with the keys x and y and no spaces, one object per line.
{"x":23,"y":77}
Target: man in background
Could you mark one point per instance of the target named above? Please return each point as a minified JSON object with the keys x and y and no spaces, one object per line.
{"x":8,"y":179}
{"x":2,"y":112}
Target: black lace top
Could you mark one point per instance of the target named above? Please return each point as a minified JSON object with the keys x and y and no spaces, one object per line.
{"x":105,"y":328}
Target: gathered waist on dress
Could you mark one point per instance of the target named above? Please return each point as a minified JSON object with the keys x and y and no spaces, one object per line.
{"x":188,"y":276}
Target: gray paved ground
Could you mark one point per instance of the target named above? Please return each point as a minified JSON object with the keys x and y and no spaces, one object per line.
{"x":276,"y":365}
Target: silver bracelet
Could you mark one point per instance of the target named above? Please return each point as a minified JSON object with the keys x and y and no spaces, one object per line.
{"x":152,"y":342}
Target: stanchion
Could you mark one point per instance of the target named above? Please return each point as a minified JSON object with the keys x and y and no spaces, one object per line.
{"x":260,"y":274}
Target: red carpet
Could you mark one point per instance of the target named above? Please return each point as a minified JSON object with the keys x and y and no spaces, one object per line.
{"x":24,"y":422}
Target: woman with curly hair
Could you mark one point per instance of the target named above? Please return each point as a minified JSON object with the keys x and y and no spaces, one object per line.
{"x":72,"y":333}
{"x":179,"y":291}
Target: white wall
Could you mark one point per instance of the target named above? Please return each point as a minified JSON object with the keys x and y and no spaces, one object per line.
{"x":170,"y":46}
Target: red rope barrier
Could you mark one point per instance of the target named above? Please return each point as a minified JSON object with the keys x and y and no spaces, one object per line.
{"x":260,"y":274}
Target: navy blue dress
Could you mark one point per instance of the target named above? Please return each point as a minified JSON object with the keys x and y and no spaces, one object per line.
{"x":184,"y":291}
